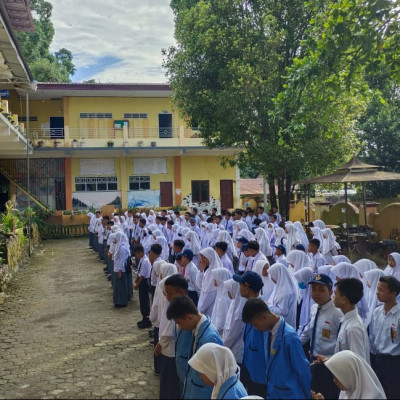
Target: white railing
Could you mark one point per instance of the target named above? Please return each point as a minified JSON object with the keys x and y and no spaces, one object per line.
{"x":152,"y":133}
{"x":47,"y":133}
{"x":95,"y":133}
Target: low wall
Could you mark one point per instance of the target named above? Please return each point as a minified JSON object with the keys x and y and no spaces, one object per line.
{"x":387,"y":222}
{"x":335,"y":216}
{"x":16,"y":254}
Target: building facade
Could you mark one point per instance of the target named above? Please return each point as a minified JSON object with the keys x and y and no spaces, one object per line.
{"x":120,"y":144}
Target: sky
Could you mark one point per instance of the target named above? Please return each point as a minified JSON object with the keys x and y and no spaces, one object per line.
{"x":114,"y":40}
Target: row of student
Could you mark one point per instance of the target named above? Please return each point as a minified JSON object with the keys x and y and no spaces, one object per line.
{"x":272,"y":361}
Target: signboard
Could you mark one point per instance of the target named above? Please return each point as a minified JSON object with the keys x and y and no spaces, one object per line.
{"x":5,"y":94}
{"x":119,"y":124}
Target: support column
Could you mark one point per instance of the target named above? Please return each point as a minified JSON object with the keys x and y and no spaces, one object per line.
{"x":123,"y":179}
{"x":178,"y":180}
{"x":68,"y":183}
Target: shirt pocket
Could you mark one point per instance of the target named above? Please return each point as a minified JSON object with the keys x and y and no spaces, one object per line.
{"x":327,"y":332}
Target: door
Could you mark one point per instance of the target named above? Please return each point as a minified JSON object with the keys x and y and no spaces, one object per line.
{"x":60,"y":194}
{"x":57,"y":127}
{"x":226,"y":193}
{"x":165,"y":125}
{"x":166,"y":198}
{"x":4,"y":189}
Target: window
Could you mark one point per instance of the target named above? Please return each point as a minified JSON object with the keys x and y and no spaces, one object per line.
{"x":96,"y":184}
{"x":95,"y":115}
{"x":136,"y":115}
{"x":139,"y":183}
{"x":200,"y":191}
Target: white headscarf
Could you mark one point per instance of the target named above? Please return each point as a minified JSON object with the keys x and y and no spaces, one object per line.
{"x":364,"y":265}
{"x":293,"y":237}
{"x":303,"y":236}
{"x":270,"y":231}
{"x":299,"y":260}
{"x":396,"y":270}
{"x":155,"y":312}
{"x":305,"y":275}
{"x":280,"y":234}
{"x":286,"y":284}
{"x":246,"y":234}
{"x":217,"y":363}
{"x":160,"y":239}
{"x":193,"y":242}
{"x":356,"y":376}
{"x":218,"y":316}
{"x":371,"y":279}
{"x":326,"y":270}
{"x":122,"y":245}
{"x":340,"y":258}
{"x":319,"y":224}
{"x":167,"y":269}
{"x":224,"y":236}
{"x":214,"y":263}
{"x":317,"y":233}
{"x":329,"y":242}
{"x":263,"y":241}
{"x":268,"y":287}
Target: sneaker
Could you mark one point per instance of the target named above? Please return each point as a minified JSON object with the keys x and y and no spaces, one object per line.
{"x":145,"y":325}
{"x":156,"y":373}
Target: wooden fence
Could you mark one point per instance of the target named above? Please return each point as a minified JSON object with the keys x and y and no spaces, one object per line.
{"x":65,"y":231}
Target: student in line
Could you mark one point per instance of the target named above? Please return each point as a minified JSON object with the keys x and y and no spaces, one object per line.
{"x":189,"y":271}
{"x":222,"y":301}
{"x":393,"y":267}
{"x":288,"y":370}
{"x":120,"y":287}
{"x":218,"y":369}
{"x":195,"y":330}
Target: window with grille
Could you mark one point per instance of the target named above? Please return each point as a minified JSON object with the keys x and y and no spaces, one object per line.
{"x":95,"y":115}
{"x":200,"y":191}
{"x":139,"y":183}
{"x":135,"y":115}
{"x":96,"y":184}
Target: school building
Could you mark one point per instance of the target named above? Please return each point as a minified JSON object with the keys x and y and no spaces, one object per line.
{"x":121,"y":144}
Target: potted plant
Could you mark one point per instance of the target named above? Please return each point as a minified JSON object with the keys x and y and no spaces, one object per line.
{"x":40,"y":143}
{"x":74,"y":143}
{"x":57,"y":143}
{"x":82,"y":143}
{"x":110,"y":143}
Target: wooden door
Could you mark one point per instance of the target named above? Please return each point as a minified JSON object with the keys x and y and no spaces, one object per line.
{"x":226,"y":193}
{"x":166,"y":197}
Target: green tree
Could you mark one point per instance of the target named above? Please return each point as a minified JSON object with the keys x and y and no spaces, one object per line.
{"x":228,"y":73}
{"x":45,"y":66}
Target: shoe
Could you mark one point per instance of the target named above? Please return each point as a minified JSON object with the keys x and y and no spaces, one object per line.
{"x":109,"y":278}
{"x":151,"y":333}
{"x":152,"y":342}
{"x":145,"y":325}
{"x":140,"y":322}
{"x":105,"y":269}
{"x":156,"y":373}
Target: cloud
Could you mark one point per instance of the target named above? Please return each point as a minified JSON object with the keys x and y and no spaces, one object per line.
{"x":114,"y":41}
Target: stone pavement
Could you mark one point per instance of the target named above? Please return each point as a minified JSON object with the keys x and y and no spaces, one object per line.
{"x":61,"y":337}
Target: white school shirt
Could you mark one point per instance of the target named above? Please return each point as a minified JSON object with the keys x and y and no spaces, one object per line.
{"x":384,"y":331}
{"x":282,"y":260}
{"x":317,"y":260}
{"x":242,"y":261}
{"x":353,"y":335}
{"x":393,"y":271}
{"x":227,"y":263}
{"x":144,"y":267}
{"x":253,"y":260}
{"x":100,"y":234}
{"x":153,"y":277}
{"x":190,"y":275}
{"x":326,"y":331}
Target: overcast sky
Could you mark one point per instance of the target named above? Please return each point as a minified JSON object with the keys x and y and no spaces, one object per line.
{"x":114,"y":40}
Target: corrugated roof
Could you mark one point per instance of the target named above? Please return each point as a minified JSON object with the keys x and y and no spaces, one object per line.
{"x":251,"y":186}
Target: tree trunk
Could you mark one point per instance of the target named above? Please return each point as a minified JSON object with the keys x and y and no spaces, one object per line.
{"x":284,"y":194}
{"x":272,"y":191}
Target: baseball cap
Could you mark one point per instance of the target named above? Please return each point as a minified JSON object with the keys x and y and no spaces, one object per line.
{"x":322,"y":279}
{"x":242,"y":240}
{"x":250,"y":279}
{"x":282,"y":248}
{"x":245,"y":247}
{"x":188,"y":253}
{"x":192,"y":219}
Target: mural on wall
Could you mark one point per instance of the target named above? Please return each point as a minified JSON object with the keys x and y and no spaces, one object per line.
{"x":187,"y":201}
{"x":96,"y":199}
{"x":143,"y":198}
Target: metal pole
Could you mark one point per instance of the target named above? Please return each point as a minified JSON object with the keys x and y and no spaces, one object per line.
{"x":28,"y":185}
{"x":308,"y":204}
{"x":364,"y":205}
{"x":265,"y":183}
{"x":347,"y":214}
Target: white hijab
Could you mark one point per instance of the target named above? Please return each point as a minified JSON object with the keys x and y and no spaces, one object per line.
{"x":160,"y":239}
{"x":214,"y":263}
{"x":363,"y":266}
{"x":305,"y":275}
{"x":246,"y":234}
{"x":217,"y":363}
{"x":329,"y":242}
{"x":224,"y":236}
{"x":280,"y":234}
{"x":299,"y":260}
{"x":394,"y":271}
{"x":340,"y":258}
{"x":317,"y":233}
{"x":218,"y":316}
{"x":356,"y":376}
{"x":193,"y":242}
{"x":319,"y":224}
{"x":268,"y":287}
{"x":303,"y":235}
{"x":293,"y":237}
{"x":371,"y":279}
{"x":286,"y":284}
{"x":263,"y":241}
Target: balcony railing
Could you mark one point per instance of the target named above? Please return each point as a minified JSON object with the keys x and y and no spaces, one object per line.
{"x":48,"y":133}
{"x":95,"y":133}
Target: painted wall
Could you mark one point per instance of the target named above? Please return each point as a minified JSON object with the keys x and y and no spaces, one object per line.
{"x":335,"y":216}
{"x":386,"y":222}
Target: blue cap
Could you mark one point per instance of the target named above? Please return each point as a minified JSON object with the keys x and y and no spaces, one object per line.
{"x":192,"y":219}
{"x":323,"y":280}
{"x":282,"y":248}
{"x":188,"y":253}
{"x":250,"y":279}
{"x":300,"y":247}
{"x":244,"y":247}
{"x":242,"y":240}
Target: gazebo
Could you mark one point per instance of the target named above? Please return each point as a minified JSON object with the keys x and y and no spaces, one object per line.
{"x":354,"y":171}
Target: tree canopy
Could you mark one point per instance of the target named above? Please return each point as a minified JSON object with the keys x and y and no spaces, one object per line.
{"x":45,"y":66}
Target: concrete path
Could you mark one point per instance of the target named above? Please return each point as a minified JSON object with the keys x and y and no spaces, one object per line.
{"x":61,"y":337}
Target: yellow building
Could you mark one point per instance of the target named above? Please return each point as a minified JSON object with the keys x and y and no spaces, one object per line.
{"x":121,"y":144}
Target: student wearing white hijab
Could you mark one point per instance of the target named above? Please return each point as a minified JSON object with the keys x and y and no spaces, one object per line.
{"x":207,"y":237}
{"x":120,"y":283}
{"x":293,"y":237}
{"x":209,"y":260}
{"x":298,"y":260}
{"x":270,"y":231}
{"x":371,"y":279}
{"x":222,"y":300}
{"x":393,"y":267}
{"x":263,"y":240}
{"x":194,"y":245}
{"x":217,"y":368}
{"x":160,"y":239}
{"x":237,"y":227}
{"x":92,"y":223}
{"x":319,"y":224}
{"x":363,"y":266}
{"x":280,"y":237}
{"x":302,"y":234}
{"x":329,"y":246}
{"x":340,"y":258}
{"x":224,"y":236}
{"x":304,"y":276}
{"x":286,"y":294}
{"x":232,"y":335}
{"x":317,"y":234}
{"x":354,"y":377}
{"x":261,"y":268}
{"x":246,"y":234}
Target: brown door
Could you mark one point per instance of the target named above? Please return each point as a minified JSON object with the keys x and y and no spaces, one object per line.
{"x":166,"y":198}
{"x":226,"y":192}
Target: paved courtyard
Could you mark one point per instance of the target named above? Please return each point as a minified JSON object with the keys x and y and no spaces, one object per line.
{"x":61,"y":337}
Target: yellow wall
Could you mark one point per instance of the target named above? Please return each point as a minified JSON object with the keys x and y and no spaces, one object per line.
{"x":205,"y":168}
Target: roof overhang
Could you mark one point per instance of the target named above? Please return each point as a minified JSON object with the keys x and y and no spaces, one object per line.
{"x":48,"y":91}
{"x":19,"y":13}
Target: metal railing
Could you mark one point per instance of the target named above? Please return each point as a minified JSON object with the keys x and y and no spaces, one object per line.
{"x":47,"y":133}
{"x":95,"y":133}
{"x":152,"y":133}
